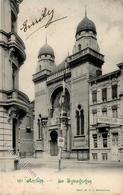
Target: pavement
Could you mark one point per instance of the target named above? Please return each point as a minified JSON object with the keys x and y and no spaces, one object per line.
{"x":69,"y":163}
{"x":42,"y":177}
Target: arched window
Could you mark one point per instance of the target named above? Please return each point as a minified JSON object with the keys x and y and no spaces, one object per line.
{"x":79,"y":120}
{"x":82,"y":121}
{"x":79,"y":47}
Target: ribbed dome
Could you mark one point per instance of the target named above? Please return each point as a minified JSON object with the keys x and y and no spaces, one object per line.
{"x":86,"y":25}
{"x":46,"y":49}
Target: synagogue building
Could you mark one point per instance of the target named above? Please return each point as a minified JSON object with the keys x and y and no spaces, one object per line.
{"x":75,"y":98}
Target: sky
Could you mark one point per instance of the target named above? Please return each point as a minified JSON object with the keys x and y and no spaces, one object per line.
{"x":106,"y":14}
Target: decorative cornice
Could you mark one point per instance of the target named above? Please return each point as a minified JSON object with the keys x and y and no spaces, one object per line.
{"x":110,"y":75}
{"x":42,"y":75}
{"x":86,"y":55}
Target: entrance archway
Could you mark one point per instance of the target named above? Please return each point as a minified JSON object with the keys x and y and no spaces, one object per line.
{"x":53,"y":143}
{"x":56,"y":99}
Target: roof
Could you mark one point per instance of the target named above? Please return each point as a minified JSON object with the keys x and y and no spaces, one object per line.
{"x":86,"y":25}
{"x":46,"y":49}
{"x":60,"y":67}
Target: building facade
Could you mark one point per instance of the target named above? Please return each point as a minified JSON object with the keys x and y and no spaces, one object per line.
{"x":76,"y":101}
{"x":106,"y":116}
{"x":14,"y":105}
{"x":76,"y":70}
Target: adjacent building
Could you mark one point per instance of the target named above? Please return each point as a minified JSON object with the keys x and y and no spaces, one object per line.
{"x":106,"y":116}
{"x":14,"y":104}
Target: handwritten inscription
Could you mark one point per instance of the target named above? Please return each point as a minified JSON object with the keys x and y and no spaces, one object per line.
{"x":49,"y":14}
{"x":46,"y":18}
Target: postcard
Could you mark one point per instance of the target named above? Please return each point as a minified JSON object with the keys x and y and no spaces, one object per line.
{"x":61,"y":97}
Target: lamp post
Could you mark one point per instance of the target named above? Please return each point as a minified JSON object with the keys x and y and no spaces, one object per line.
{"x":59,"y":144}
{"x":61,"y":139}
{"x":62,"y":120}
{"x":42,"y":122}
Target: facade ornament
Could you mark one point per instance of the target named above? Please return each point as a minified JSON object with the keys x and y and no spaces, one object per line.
{"x":11,"y":52}
{"x":12,"y":114}
{"x":12,"y":58}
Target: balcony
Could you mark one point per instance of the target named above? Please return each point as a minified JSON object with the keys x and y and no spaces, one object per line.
{"x":16,"y":99}
{"x":16,"y":43}
{"x":103,"y":127}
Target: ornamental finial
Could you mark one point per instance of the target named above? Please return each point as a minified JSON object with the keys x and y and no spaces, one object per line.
{"x":85,"y":12}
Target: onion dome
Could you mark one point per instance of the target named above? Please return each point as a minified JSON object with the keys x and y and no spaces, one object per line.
{"x":46,"y":50}
{"x":86,"y":25}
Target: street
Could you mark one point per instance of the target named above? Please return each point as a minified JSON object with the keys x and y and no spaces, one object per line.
{"x":36,"y":176}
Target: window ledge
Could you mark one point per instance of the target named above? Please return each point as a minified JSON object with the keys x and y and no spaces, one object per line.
{"x":77,"y":136}
{"x":39,"y":139}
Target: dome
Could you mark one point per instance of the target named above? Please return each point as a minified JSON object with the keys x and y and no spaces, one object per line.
{"x":46,"y":49}
{"x":86,"y":25}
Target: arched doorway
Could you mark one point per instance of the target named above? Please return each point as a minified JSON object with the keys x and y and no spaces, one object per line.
{"x":53,"y":143}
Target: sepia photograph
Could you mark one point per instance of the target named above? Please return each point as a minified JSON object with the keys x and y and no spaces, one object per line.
{"x":61,"y":97}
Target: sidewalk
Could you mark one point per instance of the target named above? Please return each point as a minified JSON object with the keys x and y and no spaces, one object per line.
{"x":70,"y":162}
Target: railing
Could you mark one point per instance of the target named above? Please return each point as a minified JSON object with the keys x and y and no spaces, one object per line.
{"x":60,"y":73}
